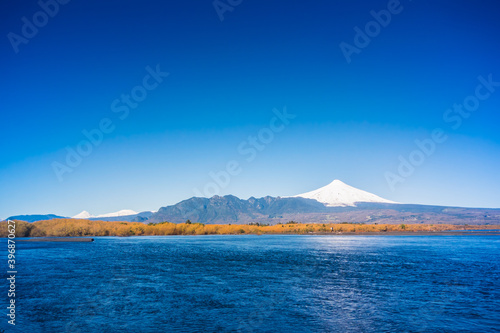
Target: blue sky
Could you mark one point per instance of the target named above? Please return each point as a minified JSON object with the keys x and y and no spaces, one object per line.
{"x":352,"y":120}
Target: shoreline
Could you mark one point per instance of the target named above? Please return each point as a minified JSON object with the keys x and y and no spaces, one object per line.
{"x":57,"y":239}
{"x":417,"y":233}
{"x":72,"y":229}
{"x":334,"y":234}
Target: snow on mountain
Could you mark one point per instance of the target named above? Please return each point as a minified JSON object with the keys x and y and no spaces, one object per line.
{"x":335,"y":194}
{"x":124,"y":212}
{"x":83,"y":215}
{"x":339,"y":194}
{"x":87,"y":215}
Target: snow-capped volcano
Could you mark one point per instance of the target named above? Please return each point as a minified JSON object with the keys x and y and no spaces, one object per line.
{"x":87,"y":215}
{"x":124,"y":212}
{"x":83,"y":215}
{"x":339,"y":194}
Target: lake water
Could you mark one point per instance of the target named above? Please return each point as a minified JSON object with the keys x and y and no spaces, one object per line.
{"x":269,"y":283}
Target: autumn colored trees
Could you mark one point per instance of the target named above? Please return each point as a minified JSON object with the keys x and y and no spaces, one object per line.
{"x":78,"y":227}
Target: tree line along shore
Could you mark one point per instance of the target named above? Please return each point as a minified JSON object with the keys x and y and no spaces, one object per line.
{"x":79,"y":228}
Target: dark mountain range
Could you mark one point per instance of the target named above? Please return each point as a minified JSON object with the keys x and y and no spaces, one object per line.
{"x":336,"y":202}
{"x":34,"y":218}
{"x":230,"y":209}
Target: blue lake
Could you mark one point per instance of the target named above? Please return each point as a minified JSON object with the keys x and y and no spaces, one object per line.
{"x":269,"y":283}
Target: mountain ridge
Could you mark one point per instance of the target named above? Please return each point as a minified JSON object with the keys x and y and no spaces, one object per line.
{"x":86,"y":215}
{"x":334,"y":203}
{"x":272,"y":210}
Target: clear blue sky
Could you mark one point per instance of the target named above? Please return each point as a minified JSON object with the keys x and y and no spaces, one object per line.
{"x":353,"y":120}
